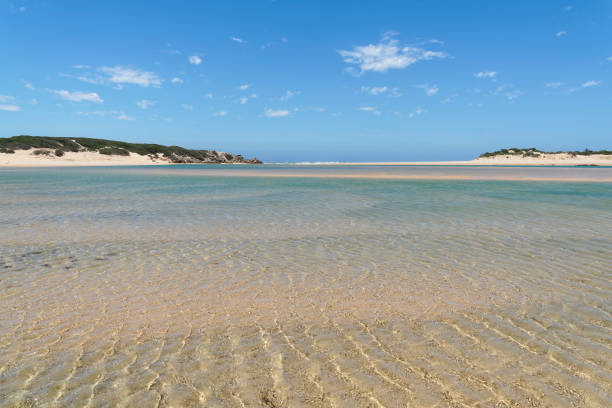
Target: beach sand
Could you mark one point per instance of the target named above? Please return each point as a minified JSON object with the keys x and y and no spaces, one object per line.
{"x":26,"y":158}
{"x":555,"y":159}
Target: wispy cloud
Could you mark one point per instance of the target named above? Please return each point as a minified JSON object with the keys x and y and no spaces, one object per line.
{"x":387,"y":54}
{"x":510,"y":92}
{"x":208,"y":95}
{"x":430,"y":90}
{"x":177,"y":80}
{"x":244,"y":87}
{"x":381,"y":90}
{"x":560,"y":33}
{"x":6,"y":98}
{"x":289,"y":94}
{"x":554,"y":85}
{"x":568,"y":7}
{"x":449,"y":99}
{"x":485,"y":74}
{"x":276,"y":113}
{"x":220,"y":113}
{"x":243,"y":100}
{"x":374,"y":90}
{"x":417,"y":112}
{"x":10,"y":108}
{"x":238,"y":40}
{"x":589,"y":84}
{"x":119,"y":115}
{"x":28,"y":85}
{"x":77,"y":96}
{"x":123,"y":116}
{"x":187,"y":107}
{"x":81,"y":66}
{"x":584,"y":85}
{"x":91,"y":113}
{"x":122,"y":75}
{"x":371,"y":109}
{"x":195,"y":60}
{"x":145,"y":103}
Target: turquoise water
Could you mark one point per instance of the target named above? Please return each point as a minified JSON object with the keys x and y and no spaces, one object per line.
{"x":305,"y":286}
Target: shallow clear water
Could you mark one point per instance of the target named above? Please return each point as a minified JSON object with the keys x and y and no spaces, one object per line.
{"x":206,"y":286}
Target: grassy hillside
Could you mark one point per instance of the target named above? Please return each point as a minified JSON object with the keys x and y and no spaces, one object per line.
{"x":533,"y":152}
{"x":60,"y":145}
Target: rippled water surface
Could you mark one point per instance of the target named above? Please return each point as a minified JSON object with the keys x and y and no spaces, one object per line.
{"x":206,"y":286}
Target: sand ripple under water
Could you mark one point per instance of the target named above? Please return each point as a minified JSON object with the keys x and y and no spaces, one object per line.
{"x":168,"y":290}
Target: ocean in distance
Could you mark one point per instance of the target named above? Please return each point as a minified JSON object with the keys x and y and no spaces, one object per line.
{"x":306,"y":286}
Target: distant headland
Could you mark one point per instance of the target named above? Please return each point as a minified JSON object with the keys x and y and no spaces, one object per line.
{"x":27,"y":150}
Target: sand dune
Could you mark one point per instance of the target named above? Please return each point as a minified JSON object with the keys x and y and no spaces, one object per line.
{"x":25,"y":158}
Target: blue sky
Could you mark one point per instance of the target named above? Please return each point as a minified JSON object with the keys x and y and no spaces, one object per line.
{"x":312,"y":80}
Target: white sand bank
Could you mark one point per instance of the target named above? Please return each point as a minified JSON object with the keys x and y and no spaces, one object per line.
{"x":26,"y":158}
{"x":553,"y":159}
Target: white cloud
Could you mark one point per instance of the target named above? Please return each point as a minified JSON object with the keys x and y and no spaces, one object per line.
{"x":370,"y":109}
{"x":80,"y":66}
{"x":271,"y":113}
{"x":508,"y":91}
{"x":208,"y":95}
{"x":374,"y":90}
{"x":77,"y":96}
{"x":429,"y":90}
{"x":28,"y":85}
{"x":289,"y":94}
{"x":119,"y":115}
{"x":10,"y":108}
{"x":449,"y":99}
{"x":238,"y":40}
{"x":244,"y":87}
{"x":254,"y":96}
{"x":122,"y":116}
{"x":609,"y":59}
{"x":243,"y":100}
{"x":387,"y":54}
{"x":145,"y":103}
{"x":284,"y":40}
{"x":568,"y":8}
{"x":395,"y":93}
{"x":220,"y":113}
{"x":92,"y":113}
{"x":554,"y":84}
{"x":195,"y":60}
{"x":561,"y":33}
{"x":6,"y":98}
{"x":589,"y":84}
{"x":485,"y":74}
{"x":176,"y":80}
{"x":512,"y":94}
{"x":187,"y":107}
{"x":33,"y":101}
{"x":122,"y":75}
{"x":417,"y":112}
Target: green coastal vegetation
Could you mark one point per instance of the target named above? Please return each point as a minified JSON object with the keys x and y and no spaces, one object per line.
{"x":58,"y":146}
{"x":533,"y":152}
